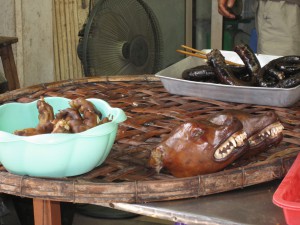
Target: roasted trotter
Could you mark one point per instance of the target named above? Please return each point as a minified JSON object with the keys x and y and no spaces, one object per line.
{"x":263,"y":131}
{"x":27,"y":132}
{"x":61,"y":126}
{"x":81,"y":116}
{"x":90,"y":116}
{"x":46,"y":116}
{"x":68,"y":119}
{"x":200,"y":147}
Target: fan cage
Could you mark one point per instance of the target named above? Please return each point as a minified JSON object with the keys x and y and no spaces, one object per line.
{"x":87,"y":35}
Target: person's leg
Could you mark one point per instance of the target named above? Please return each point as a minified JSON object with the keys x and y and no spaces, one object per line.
{"x":278,"y":28}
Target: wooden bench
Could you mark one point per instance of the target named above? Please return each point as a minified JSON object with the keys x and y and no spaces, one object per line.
{"x":9,"y":65}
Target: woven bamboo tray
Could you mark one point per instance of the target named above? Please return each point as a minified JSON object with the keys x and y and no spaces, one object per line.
{"x":152,"y":113}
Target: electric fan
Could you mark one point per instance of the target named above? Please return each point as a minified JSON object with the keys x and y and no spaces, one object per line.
{"x":120,"y":37}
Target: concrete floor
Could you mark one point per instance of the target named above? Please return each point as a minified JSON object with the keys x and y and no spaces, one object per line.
{"x":19,"y":211}
{"x":140,"y":220}
{"x":8,"y":215}
{"x":96,"y":215}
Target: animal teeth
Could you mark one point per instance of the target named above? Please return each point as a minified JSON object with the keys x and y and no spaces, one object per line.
{"x":220,"y":155}
{"x":228,"y":146}
{"x":217,"y":155}
{"x":273,"y":131}
{"x":231,"y":139}
{"x":239,"y":142}
{"x":240,"y":139}
{"x":270,"y":131}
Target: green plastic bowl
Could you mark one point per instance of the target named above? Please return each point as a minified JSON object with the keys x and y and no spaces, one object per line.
{"x":54,"y":155}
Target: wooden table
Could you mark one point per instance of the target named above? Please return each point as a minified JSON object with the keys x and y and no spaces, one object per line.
{"x":124,"y":177}
{"x":250,"y":205}
{"x":8,"y":61}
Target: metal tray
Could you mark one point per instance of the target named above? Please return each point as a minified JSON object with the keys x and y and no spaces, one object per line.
{"x":172,"y":81}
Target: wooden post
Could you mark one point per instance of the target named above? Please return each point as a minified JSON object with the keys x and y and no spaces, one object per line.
{"x":19,"y":47}
{"x":216,"y":27}
{"x":189,"y":23}
{"x":46,"y":212}
{"x":8,"y":61}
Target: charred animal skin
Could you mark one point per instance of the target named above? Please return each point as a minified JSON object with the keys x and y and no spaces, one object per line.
{"x":200,"y":73}
{"x":206,"y":73}
{"x":288,"y":65}
{"x":292,"y":81}
{"x":241,"y":72}
{"x":283,"y":72}
{"x":250,"y":60}
{"x":223,"y":72}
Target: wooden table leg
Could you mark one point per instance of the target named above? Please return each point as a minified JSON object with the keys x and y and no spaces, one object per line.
{"x":46,"y":212}
{"x":9,"y":67}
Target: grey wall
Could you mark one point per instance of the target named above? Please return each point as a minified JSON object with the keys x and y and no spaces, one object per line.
{"x":7,"y":26}
{"x":202,"y":24}
{"x":171,"y":18}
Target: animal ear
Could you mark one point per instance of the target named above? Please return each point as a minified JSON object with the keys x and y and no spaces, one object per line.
{"x":219,"y":119}
{"x":227,"y":120}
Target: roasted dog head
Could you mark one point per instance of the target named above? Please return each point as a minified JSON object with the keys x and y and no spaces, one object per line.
{"x":200,"y":147}
{"x":264,"y":131}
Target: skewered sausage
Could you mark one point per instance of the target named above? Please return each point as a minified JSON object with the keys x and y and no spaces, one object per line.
{"x":223,"y":72}
{"x":288,"y":65}
{"x":250,"y":60}
{"x":200,"y":73}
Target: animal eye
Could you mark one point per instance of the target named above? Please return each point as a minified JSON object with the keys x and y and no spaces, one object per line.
{"x":197,"y":132}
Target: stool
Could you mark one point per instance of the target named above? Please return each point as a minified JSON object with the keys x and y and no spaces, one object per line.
{"x":9,"y":66}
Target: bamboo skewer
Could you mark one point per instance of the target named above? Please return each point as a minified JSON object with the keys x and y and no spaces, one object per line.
{"x":193,"y":49}
{"x":191,"y":54}
{"x":201,"y":54}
